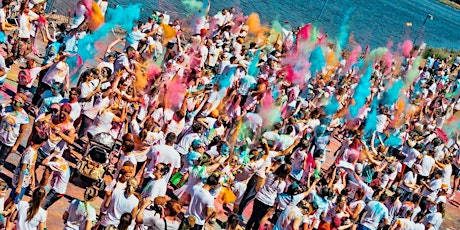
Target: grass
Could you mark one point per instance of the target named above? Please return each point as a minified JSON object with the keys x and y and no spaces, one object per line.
{"x":441,"y":53}
{"x":452,"y":3}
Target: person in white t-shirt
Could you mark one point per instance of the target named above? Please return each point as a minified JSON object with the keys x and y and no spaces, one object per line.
{"x":167,"y":220}
{"x":375,"y":212}
{"x":5,"y":26}
{"x":157,"y":186}
{"x":120,"y":203}
{"x":162,"y":154}
{"x":14,"y":120}
{"x":434,"y":220}
{"x":29,"y":215}
{"x":80,"y":215}
{"x":25,"y":30}
{"x":265,"y":197}
{"x":59,"y":180}
{"x":202,"y":202}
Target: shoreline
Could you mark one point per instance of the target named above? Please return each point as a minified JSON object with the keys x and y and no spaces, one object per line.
{"x":450,"y":3}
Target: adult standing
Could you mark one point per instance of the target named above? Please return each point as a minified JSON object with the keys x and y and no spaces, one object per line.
{"x":162,"y":154}
{"x":13,"y":122}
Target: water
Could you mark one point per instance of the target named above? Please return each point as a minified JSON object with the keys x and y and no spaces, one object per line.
{"x":372,"y":22}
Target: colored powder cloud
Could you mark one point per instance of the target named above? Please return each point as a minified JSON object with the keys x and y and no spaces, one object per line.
{"x":413,"y":72}
{"x":393,"y":141}
{"x":407,"y":48}
{"x":125,"y":17}
{"x":342,"y":40}
{"x":193,"y":6}
{"x":371,"y":120}
{"x":317,"y":60}
{"x":362,"y":91}
{"x":332,"y":107}
{"x":392,"y":94}
{"x":353,"y":57}
{"x":253,"y":70}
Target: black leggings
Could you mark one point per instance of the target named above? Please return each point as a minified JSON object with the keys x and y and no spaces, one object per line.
{"x":249,"y":194}
{"x":258,"y":212}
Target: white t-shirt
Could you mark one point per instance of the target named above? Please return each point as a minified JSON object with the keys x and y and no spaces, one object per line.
{"x":86,"y":89}
{"x":155,"y":188}
{"x":375,"y":212}
{"x":435,"y":219}
{"x":201,"y":200}
{"x":270,"y":190}
{"x":61,"y":175}
{"x":162,"y":154}
{"x":427,"y":164}
{"x":22,"y":223}
{"x":119,"y":205}
{"x":409,"y":178}
{"x":102,"y":123}
{"x":33,"y":73}
{"x":287,"y":217}
{"x":411,"y":157}
{"x":76,"y":111}
{"x":56,"y":73}
{"x":79,"y":214}
{"x":24,"y":24}
{"x":435,"y":186}
{"x":261,"y":170}
{"x":153,"y":222}
{"x":10,"y":125}
{"x":29,"y":156}
{"x":183,"y":146}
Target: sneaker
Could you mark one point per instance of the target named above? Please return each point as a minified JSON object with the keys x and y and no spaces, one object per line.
{"x":22,"y":60}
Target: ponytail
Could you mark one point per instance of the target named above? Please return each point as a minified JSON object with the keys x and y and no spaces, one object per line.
{"x":35,"y":203}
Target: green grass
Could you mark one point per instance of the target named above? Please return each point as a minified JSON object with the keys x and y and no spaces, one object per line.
{"x":452,"y":3}
{"x":441,"y":53}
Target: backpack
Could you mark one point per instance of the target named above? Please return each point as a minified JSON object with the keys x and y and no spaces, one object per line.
{"x":24,"y":77}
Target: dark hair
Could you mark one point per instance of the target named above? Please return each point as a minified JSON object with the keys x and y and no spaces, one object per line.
{"x":77,"y":90}
{"x":212,"y":180}
{"x":109,"y":71}
{"x":129,"y":145}
{"x":383,"y":197}
{"x":5,"y":2}
{"x":125,"y":221}
{"x":282,"y":171}
{"x":170,"y":138}
{"x":37,"y":198}
{"x":165,"y":168}
{"x":9,"y":62}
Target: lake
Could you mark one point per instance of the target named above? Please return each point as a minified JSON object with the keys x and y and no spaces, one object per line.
{"x":372,"y":22}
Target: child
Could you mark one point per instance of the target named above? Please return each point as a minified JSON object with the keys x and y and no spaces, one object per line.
{"x":24,"y":174}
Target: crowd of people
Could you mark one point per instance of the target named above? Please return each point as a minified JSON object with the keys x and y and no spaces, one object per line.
{"x":223,"y":116}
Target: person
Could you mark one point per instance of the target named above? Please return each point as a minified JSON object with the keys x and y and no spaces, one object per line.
{"x":121,"y":202}
{"x":25,"y":20}
{"x":30,"y":215}
{"x":157,"y":186}
{"x":59,"y":179}
{"x":24,"y":174}
{"x":162,"y":154}
{"x":117,"y":184}
{"x":293,"y":216}
{"x":14,"y":120}
{"x":375,"y":213}
{"x":5,"y":25}
{"x":80,"y":214}
{"x":265,"y":197}
{"x":201,"y":206}
{"x":167,"y":220}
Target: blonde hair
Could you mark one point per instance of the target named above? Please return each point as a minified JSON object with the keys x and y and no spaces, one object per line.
{"x":131,"y":185}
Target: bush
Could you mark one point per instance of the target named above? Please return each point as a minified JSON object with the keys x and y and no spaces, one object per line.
{"x":441,"y":53}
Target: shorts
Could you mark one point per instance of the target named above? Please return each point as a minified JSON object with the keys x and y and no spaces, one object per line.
{"x":41,"y":155}
{"x":455,"y":171}
{"x":17,"y":198}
